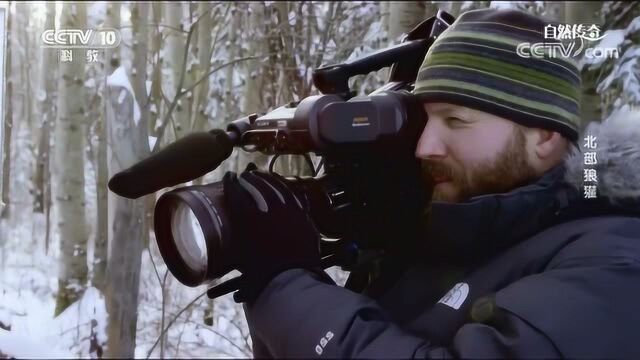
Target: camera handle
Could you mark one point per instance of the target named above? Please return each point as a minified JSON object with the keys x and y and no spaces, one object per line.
{"x":334,"y":79}
{"x":234,"y":284}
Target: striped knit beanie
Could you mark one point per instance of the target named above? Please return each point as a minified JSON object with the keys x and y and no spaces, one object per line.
{"x":474,"y":63}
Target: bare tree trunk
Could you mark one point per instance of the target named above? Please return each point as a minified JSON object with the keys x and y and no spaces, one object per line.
{"x":252,"y":100}
{"x":155,"y":97}
{"x":8,"y":123}
{"x":155,"y":39}
{"x":68,"y":172}
{"x":405,"y":15}
{"x":3,"y":103}
{"x":385,"y":12}
{"x":287,"y":164}
{"x":101,"y":245}
{"x":199,"y":119}
{"x":586,"y":12}
{"x":42,"y":177}
{"x":288,"y":65}
{"x":23,"y":9}
{"x":112,"y":56}
{"x":232,"y":51}
{"x":47,"y":115}
{"x":204,"y":48}
{"x":128,"y":137}
{"x":175,"y":54}
{"x":191,"y":69}
{"x":140,"y":19}
{"x":127,"y":146}
{"x":554,"y":10}
{"x":101,"y":248}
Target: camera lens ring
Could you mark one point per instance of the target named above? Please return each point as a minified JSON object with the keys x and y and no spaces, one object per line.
{"x":211,"y":225}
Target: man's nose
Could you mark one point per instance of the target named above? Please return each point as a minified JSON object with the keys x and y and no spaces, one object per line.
{"x":430,"y":144}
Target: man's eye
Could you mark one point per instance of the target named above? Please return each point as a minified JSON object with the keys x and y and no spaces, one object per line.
{"x":454,"y":121}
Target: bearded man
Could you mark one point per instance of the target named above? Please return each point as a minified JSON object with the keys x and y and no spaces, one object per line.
{"x":518,"y":260}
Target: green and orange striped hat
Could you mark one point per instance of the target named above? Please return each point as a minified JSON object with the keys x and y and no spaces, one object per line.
{"x":474,"y":63}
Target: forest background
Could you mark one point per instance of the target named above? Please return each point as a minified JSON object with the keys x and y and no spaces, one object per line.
{"x":80,"y":273}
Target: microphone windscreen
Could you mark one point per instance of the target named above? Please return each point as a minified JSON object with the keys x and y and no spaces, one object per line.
{"x":183,"y":160}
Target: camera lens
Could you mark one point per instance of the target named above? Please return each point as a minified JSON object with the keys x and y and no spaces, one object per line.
{"x":193,"y":233}
{"x":189,"y":238}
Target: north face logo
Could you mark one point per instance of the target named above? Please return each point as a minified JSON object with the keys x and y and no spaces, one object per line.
{"x":456,"y":296}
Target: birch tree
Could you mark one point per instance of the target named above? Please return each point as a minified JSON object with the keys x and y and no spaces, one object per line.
{"x":202,"y":66}
{"x":233,"y":51}
{"x":104,"y":216}
{"x":554,"y":10}
{"x":176,"y":46}
{"x":253,"y":90}
{"x":8,"y":120}
{"x":586,"y":12}
{"x":4,"y":18}
{"x":619,"y":78}
{"x":23,"y":9}
{"x":405,"y":15}
{"x":46,"y":98}
{"x":68,"y":170}
{"x":46,"y":91}
{"x":155,"y":41}
{"x":127,"y":227}
{"x":128,"y":144}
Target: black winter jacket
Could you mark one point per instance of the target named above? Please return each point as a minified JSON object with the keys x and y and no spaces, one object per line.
{"x":539,"y":272}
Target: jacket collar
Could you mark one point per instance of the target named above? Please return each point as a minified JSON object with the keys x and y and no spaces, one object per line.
{"x":473,"y":230}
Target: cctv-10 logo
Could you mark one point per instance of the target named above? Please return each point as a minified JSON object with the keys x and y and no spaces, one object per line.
{"x":81,"y":38}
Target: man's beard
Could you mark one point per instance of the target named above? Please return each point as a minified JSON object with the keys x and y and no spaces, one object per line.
{"x":509,"y":170}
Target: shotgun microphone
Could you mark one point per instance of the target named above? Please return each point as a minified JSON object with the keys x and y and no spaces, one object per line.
{"x":188,"y":158}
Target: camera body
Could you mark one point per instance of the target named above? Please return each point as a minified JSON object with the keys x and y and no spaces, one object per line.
{"x":371,"y":196}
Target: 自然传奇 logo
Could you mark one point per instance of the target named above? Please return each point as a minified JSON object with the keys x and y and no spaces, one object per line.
{"x":568,"y":41}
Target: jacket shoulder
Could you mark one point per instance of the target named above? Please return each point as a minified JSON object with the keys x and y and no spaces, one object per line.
{"x":588,"y":290}
{"x":600,"y":240}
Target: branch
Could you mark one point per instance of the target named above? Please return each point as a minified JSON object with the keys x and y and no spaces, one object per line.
{"x":178,"y":90}
{"x":173,"y":320}
{"x":220,"y":68}
{"x":624,"y":13}
{"x":78,"y":326}
{"x":224,"y":337}
{"x":215,"y":38}
{"x":164,"y":124}
{"x":158,"y":25}
{"x":327,"y":30}
{"x":182,"y":93}
{"x":182,"y":332}
{"x":199,"y":325}
{"x":202,"y":15}
{"x":175,"y":28}
{"x":163,"y":286}
{"x":155,"y":269}
{"x":240,"y":331}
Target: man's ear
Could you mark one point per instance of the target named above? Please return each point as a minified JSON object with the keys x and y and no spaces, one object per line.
{"x":548,"y":144}
{"x":546,"y":148}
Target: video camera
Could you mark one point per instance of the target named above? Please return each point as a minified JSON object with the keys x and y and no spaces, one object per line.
{"x":369,"y":199}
